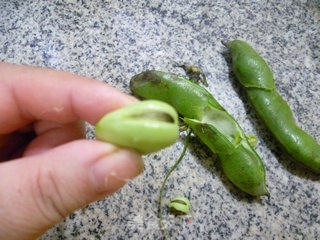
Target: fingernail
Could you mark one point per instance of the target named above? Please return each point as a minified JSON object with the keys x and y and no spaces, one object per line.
{"x":114,"y":170}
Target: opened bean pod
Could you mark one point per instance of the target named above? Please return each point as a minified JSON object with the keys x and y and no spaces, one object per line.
{"x":210,"y":122}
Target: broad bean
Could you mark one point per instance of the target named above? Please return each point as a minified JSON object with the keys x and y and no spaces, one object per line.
{"x":146,"y":126}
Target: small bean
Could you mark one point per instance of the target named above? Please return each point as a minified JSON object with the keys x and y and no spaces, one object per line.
{"x":179,"y":205}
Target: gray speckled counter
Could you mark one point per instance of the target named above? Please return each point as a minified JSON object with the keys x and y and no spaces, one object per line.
{"x":111,"y":41}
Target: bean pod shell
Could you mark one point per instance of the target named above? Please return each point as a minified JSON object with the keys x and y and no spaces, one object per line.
{"x":210,"y":122}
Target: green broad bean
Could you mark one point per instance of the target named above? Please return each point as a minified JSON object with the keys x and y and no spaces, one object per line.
{"x":210,"y":122}
{"x":256,"y":77}
{"x":146,"y":126}
{"x":179,"y":205}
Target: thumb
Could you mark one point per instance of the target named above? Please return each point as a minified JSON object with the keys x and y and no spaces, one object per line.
{"x":38,"y":191}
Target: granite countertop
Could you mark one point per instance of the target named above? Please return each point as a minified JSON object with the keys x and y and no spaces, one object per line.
{"x":113,"y":40}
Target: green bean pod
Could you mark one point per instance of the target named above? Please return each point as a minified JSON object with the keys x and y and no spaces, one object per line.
{"x":210,"y":122}
{"x":256,"y":77}
{"x":146,"y":126}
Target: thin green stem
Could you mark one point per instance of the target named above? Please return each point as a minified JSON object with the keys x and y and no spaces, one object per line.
{"x":160,"y":217}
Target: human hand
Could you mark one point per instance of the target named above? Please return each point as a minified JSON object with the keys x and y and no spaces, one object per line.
{"x":56,"y":173}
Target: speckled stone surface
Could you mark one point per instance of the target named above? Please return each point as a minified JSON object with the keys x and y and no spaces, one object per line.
{"x":113,"y":40}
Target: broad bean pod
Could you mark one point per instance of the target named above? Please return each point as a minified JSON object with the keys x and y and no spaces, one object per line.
{"x":210,"y":122}
{"x":146,"y":126}
{"x":256,"y":77}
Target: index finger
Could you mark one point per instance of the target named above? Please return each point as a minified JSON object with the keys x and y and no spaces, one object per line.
{"x":29,"y":93}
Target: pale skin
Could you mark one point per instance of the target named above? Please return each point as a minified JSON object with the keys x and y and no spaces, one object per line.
{"x":56,"y":171}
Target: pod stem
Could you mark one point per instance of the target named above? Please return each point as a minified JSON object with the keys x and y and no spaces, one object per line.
{"x":160,"y":216}
{"x":224,"y":43}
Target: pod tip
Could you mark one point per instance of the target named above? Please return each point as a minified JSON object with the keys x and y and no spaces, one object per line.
{"x":267,"y":194}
